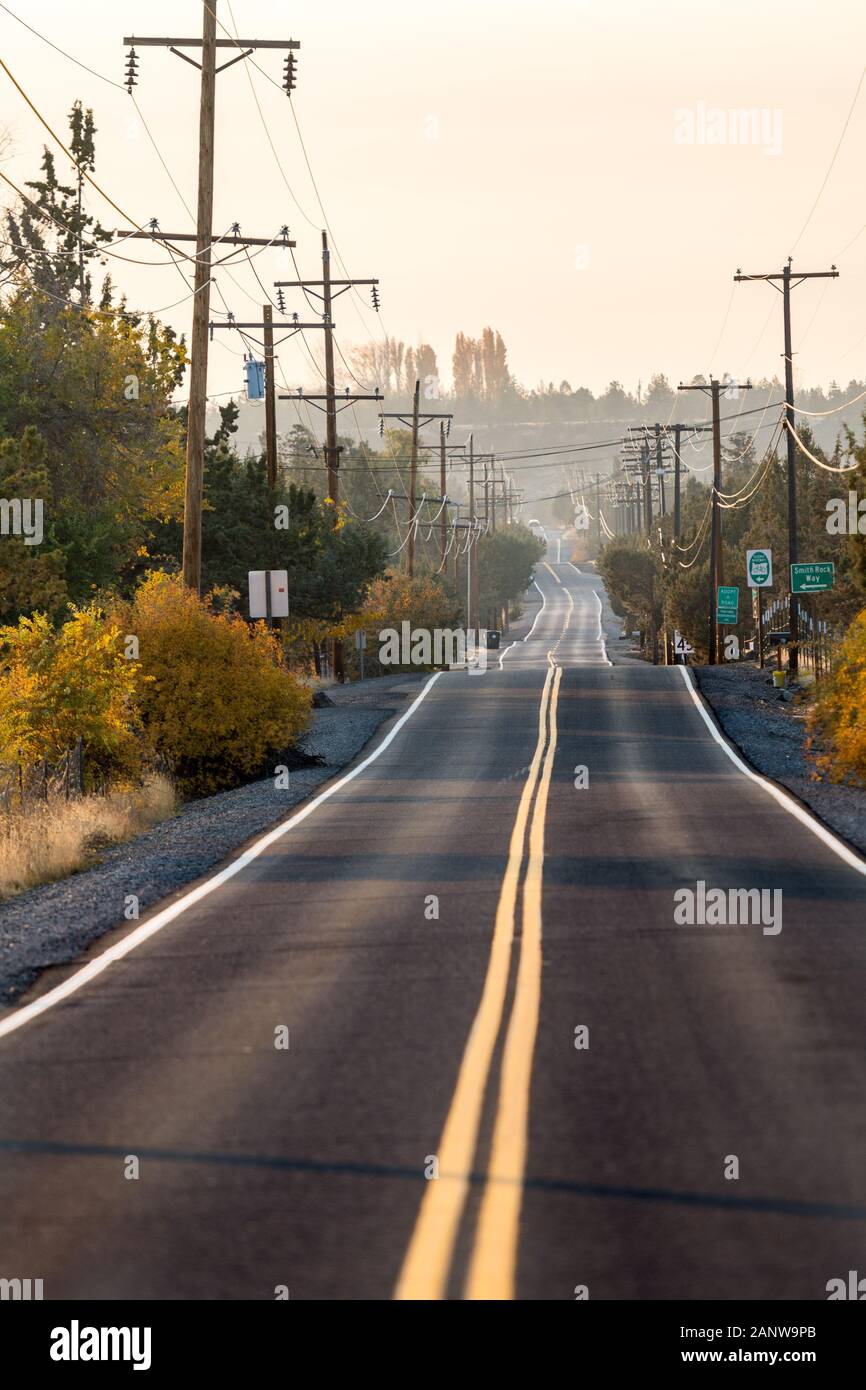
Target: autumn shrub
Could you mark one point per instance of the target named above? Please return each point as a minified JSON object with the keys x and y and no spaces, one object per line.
{"x":214,"y":697}
{"x":59,"y":684}
{"x":423,"y":602}
{"x":837,"y":738}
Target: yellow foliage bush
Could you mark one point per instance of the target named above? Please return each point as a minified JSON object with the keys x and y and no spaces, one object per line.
{"x":57,"y":684}
{"x":394,"y":599}
{"x":215,"y":699}
{"x":838,"y":718}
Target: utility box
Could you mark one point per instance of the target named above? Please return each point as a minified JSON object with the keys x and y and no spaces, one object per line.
{"x":493,"y":639}
{"x":255,"y":376}
{"x":269,"y":593}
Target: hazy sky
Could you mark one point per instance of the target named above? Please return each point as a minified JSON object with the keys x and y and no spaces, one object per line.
{"x":554,"y":170}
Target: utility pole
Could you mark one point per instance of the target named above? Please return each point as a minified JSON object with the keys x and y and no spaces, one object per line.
{"x":332,"y":457}
{"x":323,"y":290}
{"x":472,"y":560}
{"x":443,"y":520}
{"x":197,"y":410}
{"x":660,"y":469}
{"x":648,"y":488}
{"x":413,"y":476}
{"x":678,"y":431}
{"x":787,"y":276}
{"x":415,"y":423}
{"x":270,"y":398}
{"x":716,"y":559}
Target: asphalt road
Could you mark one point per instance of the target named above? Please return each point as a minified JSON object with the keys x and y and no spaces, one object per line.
{"x":432,"y":935}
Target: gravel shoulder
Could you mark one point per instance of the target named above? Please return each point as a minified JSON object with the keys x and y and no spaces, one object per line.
{"x":771,"y":731}
{"x":53,"y":924}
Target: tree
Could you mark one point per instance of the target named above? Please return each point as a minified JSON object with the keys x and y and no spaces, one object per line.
{"x":53,"y":236}
{"x":246,"y":527}
{"x":32,"y":576}
{"x":96,"y":387}
{"x":506,"y":560}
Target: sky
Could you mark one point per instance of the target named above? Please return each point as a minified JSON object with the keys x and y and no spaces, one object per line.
{"x":573,"y":172}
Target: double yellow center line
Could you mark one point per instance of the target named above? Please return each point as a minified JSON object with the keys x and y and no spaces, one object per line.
{"x":492,"y":1264}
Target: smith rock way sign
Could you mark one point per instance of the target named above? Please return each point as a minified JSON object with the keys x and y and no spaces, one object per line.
{"x":811,"y":579}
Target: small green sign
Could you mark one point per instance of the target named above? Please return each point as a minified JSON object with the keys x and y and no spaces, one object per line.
{"x":811,"y":579}
{"x":759,"y":569}
{"x":727,"y":604}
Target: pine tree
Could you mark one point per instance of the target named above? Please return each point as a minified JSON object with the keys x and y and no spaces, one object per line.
{"x":52,"y":234}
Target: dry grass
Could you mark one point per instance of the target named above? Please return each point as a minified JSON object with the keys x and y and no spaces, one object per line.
{"x":47,"y":842}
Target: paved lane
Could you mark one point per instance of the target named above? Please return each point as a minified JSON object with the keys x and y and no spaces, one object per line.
{"x":431,"y":936}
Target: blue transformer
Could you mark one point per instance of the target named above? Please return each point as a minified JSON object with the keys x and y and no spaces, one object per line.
{"x":255,"y":375}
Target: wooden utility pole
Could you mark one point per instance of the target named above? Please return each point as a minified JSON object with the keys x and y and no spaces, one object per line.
{"x":270,"y":398}
{"x":678,"y":431}
{"x":324,"y":290}
{"x":648,"y":488}
{"x":472,"y":559}
{"x":786,"y":276}
{"x":197,"y":410}
{"x":413,"y":477}
{"x":443,"y":516}
{"x":415,"y":421}
{"x":332,"y":455}
{"x":716,"y":574}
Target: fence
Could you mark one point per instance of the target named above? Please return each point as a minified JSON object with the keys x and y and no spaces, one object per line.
{"x":816,"y":637}
{"x":22,"y":783}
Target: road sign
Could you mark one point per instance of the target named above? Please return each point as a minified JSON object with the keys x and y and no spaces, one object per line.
{"x":727,"y":604}
{"x":811,"y":579}
{"x":681,"y":646}
{"x":269,"y":593}
{"x":360,"y":639}
{"x":759,"y":569}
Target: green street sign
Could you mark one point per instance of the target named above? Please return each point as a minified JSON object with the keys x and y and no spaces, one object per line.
{"x":812,"y":578}
{"x":759,"y":569}
{"x":727,"y":604}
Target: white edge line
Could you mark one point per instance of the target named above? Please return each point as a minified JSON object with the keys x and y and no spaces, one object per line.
{"x":804,"y":817}
{"x":148,"y":929}
{"x":531,"y":630}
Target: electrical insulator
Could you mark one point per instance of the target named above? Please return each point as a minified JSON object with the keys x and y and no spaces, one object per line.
{"x":281,"y":301}
{"x":375,"y":293}
{"x":381,"y":428}
{"x":131,"y":70}
{"x":289,"y":74}
{"x":448,"y":427}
